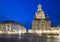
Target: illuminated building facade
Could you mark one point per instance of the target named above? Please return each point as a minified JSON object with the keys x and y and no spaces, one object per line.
{"x":12,"y":26}
{"x":40,"y":22}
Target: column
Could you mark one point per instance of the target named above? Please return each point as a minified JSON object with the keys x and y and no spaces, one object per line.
{"x":10,"y":27}
{"x":6,"y":27}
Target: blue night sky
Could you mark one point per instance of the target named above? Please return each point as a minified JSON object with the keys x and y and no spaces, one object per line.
{"x":23,"y":11}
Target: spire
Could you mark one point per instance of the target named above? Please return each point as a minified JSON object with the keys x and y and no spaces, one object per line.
{"x":39,"y":7}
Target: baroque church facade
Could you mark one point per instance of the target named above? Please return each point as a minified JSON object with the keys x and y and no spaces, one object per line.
{"x":40,"y":22}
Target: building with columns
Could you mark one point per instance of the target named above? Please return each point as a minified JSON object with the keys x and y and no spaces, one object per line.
{"x":12,"y":26}
{"x":41,"y":22}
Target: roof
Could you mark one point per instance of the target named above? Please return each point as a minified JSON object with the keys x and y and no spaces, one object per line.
{"x":10,"y":21}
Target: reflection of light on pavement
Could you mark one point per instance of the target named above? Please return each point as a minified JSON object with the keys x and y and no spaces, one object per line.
{"x":58,"y":38}
{"x":48,"y":40}
{"x":0,"y":31}
{"x":8,"y":32}
{"x":19,"y":35}
{"x":19,"y":32}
